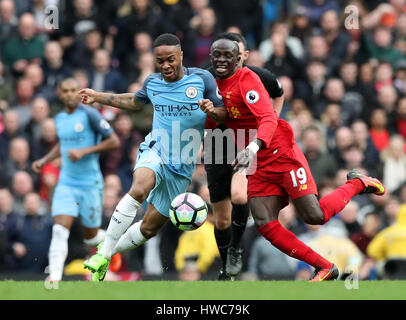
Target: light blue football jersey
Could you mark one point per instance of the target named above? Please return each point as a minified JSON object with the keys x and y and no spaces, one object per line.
{"x":83,"y":128}
{"x":178,"y":124}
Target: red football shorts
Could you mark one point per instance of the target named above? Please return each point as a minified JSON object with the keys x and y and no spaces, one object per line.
{"x":287,"y":176}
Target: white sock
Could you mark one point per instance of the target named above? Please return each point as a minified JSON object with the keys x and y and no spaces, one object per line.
{"x":58,"y":251}
{"x":99,"y":237}
{"x":121,"y":219}
{"x":131,"y":239}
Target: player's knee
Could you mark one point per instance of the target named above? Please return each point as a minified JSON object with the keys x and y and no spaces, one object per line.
{"x":147,"y":231}
{"x":314,"y":217}
{"x":139,"y":192}
{"x":222,"y":222}
{"x":239,"y":197}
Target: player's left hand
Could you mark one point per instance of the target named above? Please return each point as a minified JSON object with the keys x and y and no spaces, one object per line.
{"x":76,"y":154}
{"x":243,"y":160}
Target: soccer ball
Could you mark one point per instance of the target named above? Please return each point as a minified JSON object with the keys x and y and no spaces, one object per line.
{"x":188,"y":211}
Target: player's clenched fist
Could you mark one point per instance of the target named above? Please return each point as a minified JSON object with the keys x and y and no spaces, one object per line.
{"x":206,"y":105}
{"x":37,"y":165}
{"x":88,"y":95}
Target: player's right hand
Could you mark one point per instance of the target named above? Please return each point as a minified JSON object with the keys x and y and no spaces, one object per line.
{"x":37,"y":165}
{"x":88,"y":96}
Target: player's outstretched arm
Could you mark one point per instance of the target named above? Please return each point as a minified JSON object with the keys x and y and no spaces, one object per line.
{"x":121,"y":100}
{"x":50,"y":156}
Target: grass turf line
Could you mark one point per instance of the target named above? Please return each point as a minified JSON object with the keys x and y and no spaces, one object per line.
{"x":203,"y":290}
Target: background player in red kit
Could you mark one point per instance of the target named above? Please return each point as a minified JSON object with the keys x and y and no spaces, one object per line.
{"x":281,"y":168}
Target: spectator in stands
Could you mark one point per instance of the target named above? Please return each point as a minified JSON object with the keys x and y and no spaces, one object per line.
{"x":394,"y":163}
{"x":378,"y":131}
{"x":388,"y":248}
{"x":316,"y":8}
{"x":400,"y":75}
{"x":331,"y":118}
{"x":40,"y":111}
{"x":12,"y":129}
{"x":104,"y":78}
{"x":8,"y":21}
{"x":371,"y":225}
{"x":401,"y":117}
{"x":47,"y":140}
{"x":6,"y":90}
{"x":34,"y":73}
{"x":22,"y":184}
{"x":24,"y":49}
{"x":32,"y":237}
{"x":24,"y":95}
{"x":8,"y":219}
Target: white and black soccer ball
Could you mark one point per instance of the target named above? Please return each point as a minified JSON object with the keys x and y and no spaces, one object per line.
{"x":188,"y":211}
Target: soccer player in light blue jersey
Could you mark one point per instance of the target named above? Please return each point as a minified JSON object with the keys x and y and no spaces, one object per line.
{"x":166,"y":159}
{"x":82,"y":134}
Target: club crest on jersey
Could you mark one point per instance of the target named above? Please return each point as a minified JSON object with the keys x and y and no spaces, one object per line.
{"x":252,"y":96}
{"x":191,"y":92}
{"x":104,"y":124}
{"x":79,"y":127}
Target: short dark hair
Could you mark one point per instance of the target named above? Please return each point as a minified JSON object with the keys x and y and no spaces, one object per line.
{"x":166,"y":39}
{"x":233,"y":36}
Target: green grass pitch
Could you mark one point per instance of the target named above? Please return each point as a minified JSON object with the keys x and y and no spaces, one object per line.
{"x":204,"y":290}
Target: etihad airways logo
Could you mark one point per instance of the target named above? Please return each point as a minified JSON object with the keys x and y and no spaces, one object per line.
{"x":176,"y":110}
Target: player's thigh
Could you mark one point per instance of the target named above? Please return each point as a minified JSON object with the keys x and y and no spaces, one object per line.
{"x":65,"y":205}
{"x":144,"y":180}
{"x":266,"y":209}
{"x":219,"y":181}
{"x":91,"y":207}
{"x":222,"y":213}
{"x":308,"y":208}
{"x":152,"y":222}
{"x":239,"y":184}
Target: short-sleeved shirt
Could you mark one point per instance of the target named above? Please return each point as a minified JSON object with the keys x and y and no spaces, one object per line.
{"x":178,"y":124}
{"x":83,"y":128}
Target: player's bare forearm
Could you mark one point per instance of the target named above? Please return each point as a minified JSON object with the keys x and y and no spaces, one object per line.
{"x":110,"y":143}
{"x":278,"y":104}
{"x":219,"y":114}
{"x":121,"y":100}
{"x":54,"y":153}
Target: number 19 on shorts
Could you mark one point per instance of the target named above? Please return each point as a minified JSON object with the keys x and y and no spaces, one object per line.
{"x":298,"y":176}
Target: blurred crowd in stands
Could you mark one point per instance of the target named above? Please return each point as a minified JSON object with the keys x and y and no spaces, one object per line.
{"x":342,"y":65}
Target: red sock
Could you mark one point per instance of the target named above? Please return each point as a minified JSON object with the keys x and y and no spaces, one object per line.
{"x":334,"y":202}
{"x":287,"y":242}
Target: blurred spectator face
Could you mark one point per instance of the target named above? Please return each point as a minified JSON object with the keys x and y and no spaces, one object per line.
{"x":40,"y":109}
{"x":396,"y":146}
{"x":26,"y":26}
{"x":198,"y":5}
{"x":254,"y":59}
{"x":401,"y":108}
{"x":305,"y":118}
{"x":134,"y":87}
{"x":22,"y":183}
{"x":190,"y":272}
{"x":34,"y":73}
{"x":318,"y":47}
{"x":48,"y":130}
{"x":382,"y":37}
{"x":344,"y":138}
{"x":11,"y":122}
{"x":401,"y":25}
{"x":146,"y":61}
{"x":379,"y":119}
{"x":372,"y":224}
{"x":334,"y":90}
{"x":123,"y":125}
{"x":110,"y":200}
{"x":143,"y":42}
{"x":341,"y":177}
{"x":32,"y":203}
{"x":332,"y":115}
{"x":281,"y":29}
{"x":391,"y":209}
{"x":19,"y":150}
{"x":83,"y":7}
{"x":140,"y":5}
{"x":360,"y":130}
{"x":53,"y":53}
{"x":81,"y":77}
{"x":384,"y":72}
{"x":311,"y":140}
{"x":329,"y":21}
{"x":101,"y":60}
{"x":387,"y":97}
{"x":350,"y":212}
{"x":349,"y":73}
{"x":208,"y":21}
{"x":93,"y":40}
{"x":353,"y":157}
{"x":316,"y":71}
{"x":366,"y":73}
{"x":297,"y":106}
{"x":287,"y":86}
{"x":7,"y":10}
{"x":113,"y":182}
{"x":25,"y":90}
{"x":279,"y":45}
{"x":6,"y":201}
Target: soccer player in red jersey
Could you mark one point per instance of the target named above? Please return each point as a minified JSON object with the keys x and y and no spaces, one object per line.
{"x":281,"y":169}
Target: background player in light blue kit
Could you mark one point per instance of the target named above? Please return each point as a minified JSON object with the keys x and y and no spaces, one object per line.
{"x":82,"y":134}
{"x":166,"y":159}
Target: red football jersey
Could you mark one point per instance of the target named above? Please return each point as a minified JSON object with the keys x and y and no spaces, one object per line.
{"x":249,"y":107}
